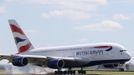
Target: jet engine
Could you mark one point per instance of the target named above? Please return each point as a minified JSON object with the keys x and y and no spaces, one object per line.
{"x":55,"y":63}
{"x":19,"y":61}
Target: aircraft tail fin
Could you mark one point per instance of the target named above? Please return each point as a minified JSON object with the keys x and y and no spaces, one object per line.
{"x":22,"y":42}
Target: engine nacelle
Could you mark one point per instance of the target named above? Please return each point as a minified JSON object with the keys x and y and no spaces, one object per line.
{"x":55,"y":63}
{"x":19,"y":61}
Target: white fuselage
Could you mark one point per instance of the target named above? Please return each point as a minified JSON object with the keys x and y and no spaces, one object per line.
{"x":87,"y":53}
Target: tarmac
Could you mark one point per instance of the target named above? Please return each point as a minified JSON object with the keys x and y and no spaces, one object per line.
{"x":88,"y":73}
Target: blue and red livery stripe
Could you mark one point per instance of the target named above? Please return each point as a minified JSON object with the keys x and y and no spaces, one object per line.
{"x":104,"y":46}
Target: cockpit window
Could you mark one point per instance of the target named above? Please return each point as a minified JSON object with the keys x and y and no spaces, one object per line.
{"x":122,"y":50}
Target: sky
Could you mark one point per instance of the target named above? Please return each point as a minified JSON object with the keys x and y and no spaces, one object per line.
{"x":67,"y":22}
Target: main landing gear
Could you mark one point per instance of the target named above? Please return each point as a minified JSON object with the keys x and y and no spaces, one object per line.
{"x":81,"y":71}
{"x":69,"y":71}
{"x":65,"y":72}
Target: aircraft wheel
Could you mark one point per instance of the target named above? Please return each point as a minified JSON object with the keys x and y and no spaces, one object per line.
{"x":84,"y":72}
{"x":81,"y":72}
{"x":58,"y":72}
{"x":121,"y":69}
{"x":73,"y":72}
{"x":65,"y":72}
{"x":69,"y":72}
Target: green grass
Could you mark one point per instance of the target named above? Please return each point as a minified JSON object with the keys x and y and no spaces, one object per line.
{"x":109,"y":73}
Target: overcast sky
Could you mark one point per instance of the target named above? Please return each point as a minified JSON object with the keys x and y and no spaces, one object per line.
{"x":67,"y":22}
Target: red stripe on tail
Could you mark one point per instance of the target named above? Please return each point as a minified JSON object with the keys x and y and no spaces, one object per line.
{"x":24,"y":48}
{"x":16,"y":29}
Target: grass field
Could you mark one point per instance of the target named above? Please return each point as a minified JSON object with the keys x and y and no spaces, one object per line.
{"x":109,"y":73}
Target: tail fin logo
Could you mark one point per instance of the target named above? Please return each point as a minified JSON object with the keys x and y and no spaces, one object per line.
{"x":22,"y":42}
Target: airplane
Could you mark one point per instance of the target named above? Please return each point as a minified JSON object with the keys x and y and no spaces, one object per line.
{"x":63,"y":57}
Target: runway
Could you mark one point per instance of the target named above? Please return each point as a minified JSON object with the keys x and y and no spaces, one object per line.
{"x":88,"y":73}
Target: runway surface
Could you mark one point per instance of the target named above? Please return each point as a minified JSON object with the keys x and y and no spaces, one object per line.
{"x":88,"y":73}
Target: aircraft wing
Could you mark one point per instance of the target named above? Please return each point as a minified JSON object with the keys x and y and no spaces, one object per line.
{"x":7,"y":57}
{"x":38,"y":60}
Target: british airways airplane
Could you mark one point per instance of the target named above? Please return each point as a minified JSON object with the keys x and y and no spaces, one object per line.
{"x":64,"y":57}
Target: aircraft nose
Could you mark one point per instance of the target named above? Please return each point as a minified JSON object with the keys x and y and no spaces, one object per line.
{"x":128,"y":56}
